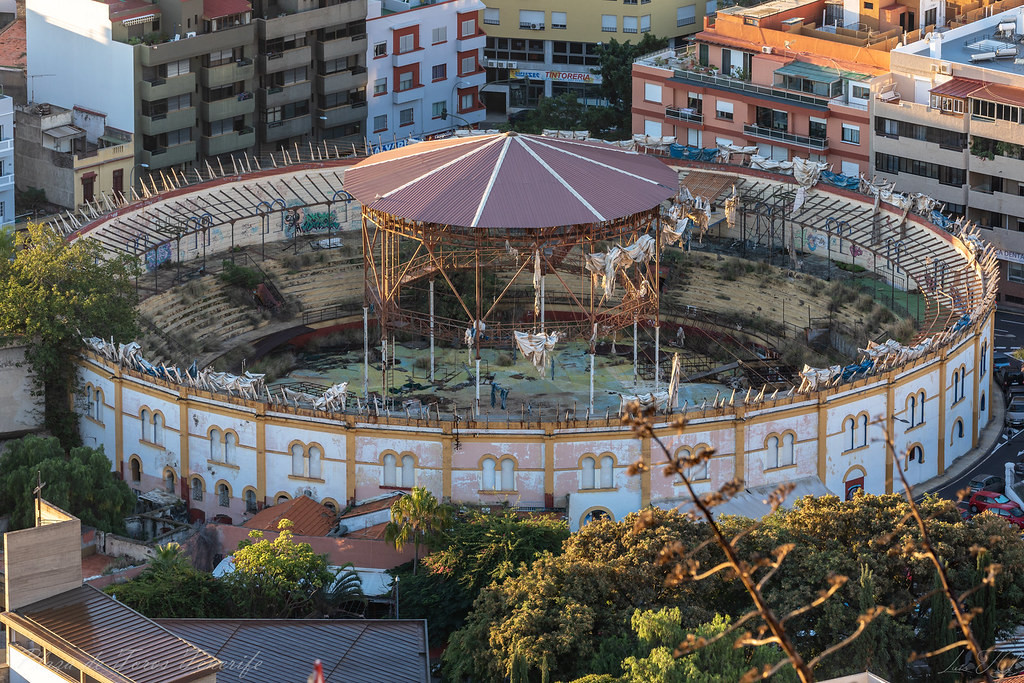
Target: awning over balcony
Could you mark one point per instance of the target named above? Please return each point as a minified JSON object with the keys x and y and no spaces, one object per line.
{"x":61,"y":132}
{"x":957,"y":87}
{"x":1001,"y":94}
{"x":818,"y":74}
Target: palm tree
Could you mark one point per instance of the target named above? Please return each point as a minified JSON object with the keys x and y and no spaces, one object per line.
{"x":416,"y":517}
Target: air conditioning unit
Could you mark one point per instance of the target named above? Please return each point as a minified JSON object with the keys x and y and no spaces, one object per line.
{"x":767,"y":49}
{"x":513,"y":65}
{"x":946,"y":68}
{"x":502,"y":65}
{"x":537,"y":27}
{"x":493,"y":64}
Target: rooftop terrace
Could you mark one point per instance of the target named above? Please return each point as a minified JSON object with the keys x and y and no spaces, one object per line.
{"x":980,"y":43}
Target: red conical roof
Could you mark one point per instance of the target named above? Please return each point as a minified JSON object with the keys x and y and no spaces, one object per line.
{"x":509,"y":180}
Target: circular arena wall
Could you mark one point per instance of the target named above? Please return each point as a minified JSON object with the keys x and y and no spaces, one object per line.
{"x":226,"y":455}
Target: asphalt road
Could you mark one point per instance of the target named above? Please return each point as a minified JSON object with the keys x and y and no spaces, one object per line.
{"x":1009,"y":336}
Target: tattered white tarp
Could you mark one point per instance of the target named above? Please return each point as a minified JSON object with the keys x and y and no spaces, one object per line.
{"x":471,"y":333}
{"x":814,"y":378}
{"x":673,"y":382}
{"x":726,"y":151}
{"x":653,"y":141}
{"x":657,"y":399}
{"x":536,"y":283}
{"x":566,"y":134}
{"x":892,"y":350}
{"x":536,"y":347}
{"x":618,"y":258}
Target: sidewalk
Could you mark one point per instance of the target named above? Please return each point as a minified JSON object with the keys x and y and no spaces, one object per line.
{"x":987,"y":440}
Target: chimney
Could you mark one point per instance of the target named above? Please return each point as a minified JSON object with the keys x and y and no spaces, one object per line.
{"x":19,"y":9}
{"x":935,"y":45}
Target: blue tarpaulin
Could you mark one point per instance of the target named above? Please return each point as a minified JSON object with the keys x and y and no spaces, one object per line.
{"x":939,"y":219}
{"x":692,"y":153}
{"x":850,"y":371}
{"x":963,"y":322}
{"x":840,"y":180}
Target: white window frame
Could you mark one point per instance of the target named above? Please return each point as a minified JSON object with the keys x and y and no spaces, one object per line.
{"x":609,"y":23}
{"x":854,"y":133}
{"x":406,"y":43}
{"x":686,"y":15}
{"x":652,"y":92}
{"x":439,"y":35}
{"x":492,"y":16}
{"x":559,"y":20}
{"x":409,"y":114}
{"x":377,"y":120}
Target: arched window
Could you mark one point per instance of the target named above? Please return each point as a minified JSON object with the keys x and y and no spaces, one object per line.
{"x":958,"y":431}
{"x":197,"y":489}
{"x":956,"y":386}
{"x":773,"y":452}
{"x":169,"y":481}
{"x":594,"y":516}
{"x":607,"y":472}
{"x":144,"y":423}
{"x":250,"y":500}
{"x":489,"y":466}
{"x":981,"y":403}
{"x":408,"y":471}
{"x":849,"y":427}
{"x":98,"y":406}
{"x":862,"y":430}
{"x":508,"y":475}
{"x":230,"y":447}
{"x":315,"y":458}
{"x":223,"y":495}
{"x":283,"y":498}
{"x":390,"y":475}
{"x":700,"y":471}
{"x":330,"y":505}
{"x":787,"y":456}
{"x":912,"y":409}
{"x":920,"y":407}
{"x":588,"y":474}
{"x":984,"y":359}
{"x":298,"y":460}
{"x":136,"y":466}
{"x":158,"y":429}
{"x":215,"y":445}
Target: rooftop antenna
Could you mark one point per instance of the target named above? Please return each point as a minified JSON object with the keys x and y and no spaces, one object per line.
{"x":38,"y":493}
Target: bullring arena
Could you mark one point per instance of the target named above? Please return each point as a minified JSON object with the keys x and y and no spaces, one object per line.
{"x":404,"y":369}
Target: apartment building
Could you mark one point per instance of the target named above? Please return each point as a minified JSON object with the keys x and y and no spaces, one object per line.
{"x":198,"y":79}
{"x":769,"y":76}
{"x":6,"y":160}
{"x":425,"y":67}
{"x":540,"y":48}
{"x":947,"y":122}
{"x":71,"y":154}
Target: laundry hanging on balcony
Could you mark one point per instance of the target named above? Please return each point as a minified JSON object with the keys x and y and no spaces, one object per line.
{"x":536,"y":347}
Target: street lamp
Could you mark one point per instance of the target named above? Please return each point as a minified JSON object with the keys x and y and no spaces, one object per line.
{"x":131,"y":179}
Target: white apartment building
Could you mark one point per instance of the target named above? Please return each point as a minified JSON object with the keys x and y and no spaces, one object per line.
{"x":6,"y":160}
{"x":424,"y":66}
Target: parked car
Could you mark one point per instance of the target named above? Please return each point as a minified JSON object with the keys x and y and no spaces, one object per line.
{"x":1013,"y":391}
{"x":965,"y":509}
{"x":1015,"y":413}
{"x":987,"y":482}
{"x":983,"y":500}
{"x":1011,"y":512}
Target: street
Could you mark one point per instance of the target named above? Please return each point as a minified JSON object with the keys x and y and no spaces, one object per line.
{"x":1009,"y":330}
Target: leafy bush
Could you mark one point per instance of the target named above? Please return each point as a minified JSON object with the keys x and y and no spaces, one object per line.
{"x":240,"y":276}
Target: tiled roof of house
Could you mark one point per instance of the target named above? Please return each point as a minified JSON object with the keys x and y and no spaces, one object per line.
{"x":308,"y":517}
{"x":12,"y":45}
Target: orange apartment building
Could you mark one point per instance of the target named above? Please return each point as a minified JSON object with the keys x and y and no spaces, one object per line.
{"x":769,"y":76}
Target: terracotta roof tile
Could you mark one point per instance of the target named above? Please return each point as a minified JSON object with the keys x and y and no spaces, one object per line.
{"x":308,"y":517}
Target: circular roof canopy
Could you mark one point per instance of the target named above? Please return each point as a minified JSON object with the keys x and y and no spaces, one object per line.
{"x":508,"y":180}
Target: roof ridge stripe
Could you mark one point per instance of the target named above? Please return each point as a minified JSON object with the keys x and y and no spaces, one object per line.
{"x":463,"y":141}
{"x":561,"y":180}
{"x":437,"y":169}
{"x":598,"y":163}
{"x":490,"y":183}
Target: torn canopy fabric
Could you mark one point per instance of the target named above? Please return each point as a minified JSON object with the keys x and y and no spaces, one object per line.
{"x":618,"y":258}
{"x":657,"y":399}
{"x":536,"y":347}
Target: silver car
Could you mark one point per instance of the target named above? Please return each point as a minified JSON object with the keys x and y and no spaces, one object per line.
{"x":1015,"y":413}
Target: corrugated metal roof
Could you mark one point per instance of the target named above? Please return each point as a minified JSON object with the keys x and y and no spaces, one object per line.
{"x":957,"y":87}
{"x":708,"y":185}
{"x":113,"y":637}
{"x":308,"y":517}
{"x":278,"y":650}
{"x":372,"y":506}
{"x":511,"y":181}
{"x":61,"y":132}
{"x":1003,"y":94}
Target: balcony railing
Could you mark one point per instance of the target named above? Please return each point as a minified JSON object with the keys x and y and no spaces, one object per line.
{"x":683,"y":115}
{"x":782,"y":136}
{"x":736,"y":84}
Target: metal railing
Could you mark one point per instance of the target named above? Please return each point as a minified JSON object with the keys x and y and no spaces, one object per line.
{"x":782,"y":136}
{"x":736,"y":84}
{"x":683,"y":115}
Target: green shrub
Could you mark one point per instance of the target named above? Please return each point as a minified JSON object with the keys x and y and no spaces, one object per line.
{"x":240,"y":276}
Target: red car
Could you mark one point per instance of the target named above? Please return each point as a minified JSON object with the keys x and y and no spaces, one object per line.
{"x":983,"y":500}
{"x":1011,"y":512}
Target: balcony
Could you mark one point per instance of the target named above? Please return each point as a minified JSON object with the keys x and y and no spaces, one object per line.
{"x":336,"y":116}
{"x":400,"y":59}
{"x":277,"y":96}
{"x":289,"y":59}
{"x":7,"y":181}
{"x":782,"y":136}
{"x":281,"y":130}
{"x":1000,"y":166}
{"x":341,"y":47}
{"x":683,"y":115}
{"x":407,"y":95}
{"x":165,"y":123}
{"x":162,"y":88}
{"x":848,"y":102}
{"x":303,"y":20}
{"x":6,"y":145}
{"x":203,"y":44}
{"x":226,"y":74}
{"x":698,"y":78}
{"x":341,"y":81}
{"x":228,"y":107}
{"x":476,"y":42}
{"x":169,"y":156}
{"x":214,"y":145}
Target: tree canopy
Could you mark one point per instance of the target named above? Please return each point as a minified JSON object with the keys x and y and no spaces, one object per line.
{"x":51,"y":294}
{"x":79,"y":481}
{"x":416,"y":518}
{"x":575,"y":610}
